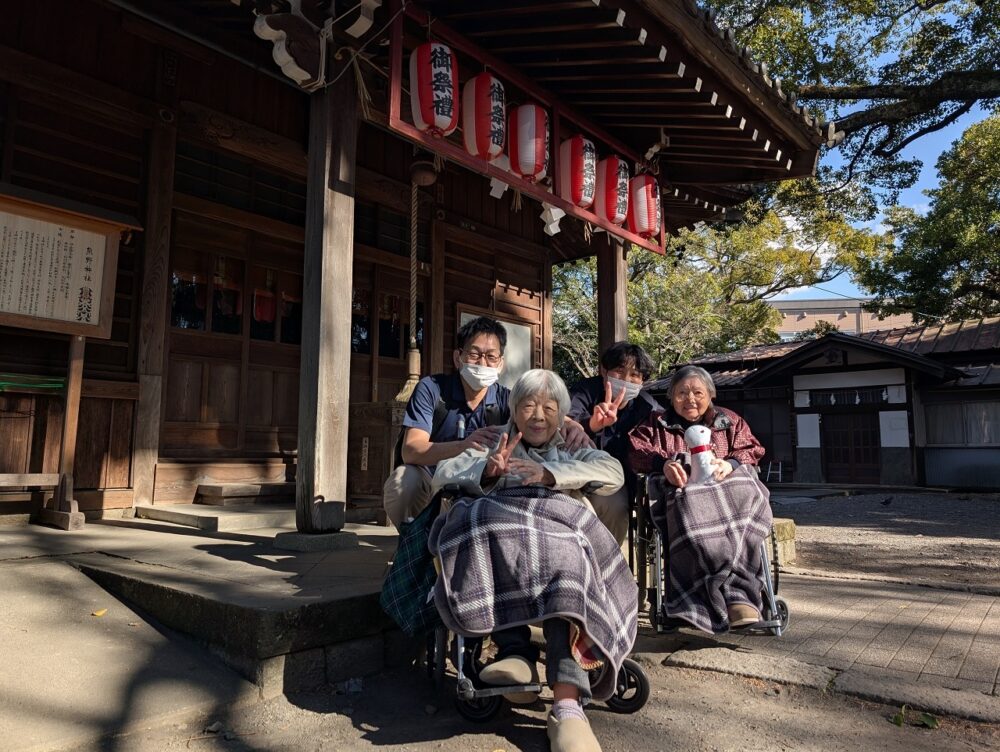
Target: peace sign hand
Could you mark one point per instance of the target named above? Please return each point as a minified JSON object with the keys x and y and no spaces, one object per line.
{"x":499,"y":461}
{"x":606,"y":412}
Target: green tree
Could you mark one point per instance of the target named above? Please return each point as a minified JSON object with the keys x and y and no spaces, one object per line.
{"x":709,"y":293}
{"x":946,"y":264}
{"x":820,"y":329}
{"x":886,"y":71}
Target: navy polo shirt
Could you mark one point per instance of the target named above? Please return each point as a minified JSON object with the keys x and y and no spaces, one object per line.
{"x":448,"y":386}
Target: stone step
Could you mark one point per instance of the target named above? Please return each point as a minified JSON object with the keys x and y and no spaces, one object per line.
{"x":221,"y":518}
{"x":229,"y":494}
{"x":264,"y":535}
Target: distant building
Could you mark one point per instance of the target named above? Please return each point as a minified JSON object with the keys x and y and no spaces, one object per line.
{"x":916,"y":405}
{"x":844,"y":313}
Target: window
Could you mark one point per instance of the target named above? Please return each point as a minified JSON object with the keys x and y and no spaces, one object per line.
{"x":361,"y":336}
{"x":379,"y":227}
{"x":188,"y":291}
{"x":963,"y":423}
{"x":227,"y":296}
{"x":226,"y":179}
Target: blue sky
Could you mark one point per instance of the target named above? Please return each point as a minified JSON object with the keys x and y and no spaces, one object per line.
{"x":926,"y":149}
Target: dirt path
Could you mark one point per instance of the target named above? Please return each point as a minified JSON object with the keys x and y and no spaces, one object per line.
{"x":953,"y":538}
{"x":688,"y":710}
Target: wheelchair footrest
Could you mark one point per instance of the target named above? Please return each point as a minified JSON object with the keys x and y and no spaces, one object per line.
{"x":491,"y":691}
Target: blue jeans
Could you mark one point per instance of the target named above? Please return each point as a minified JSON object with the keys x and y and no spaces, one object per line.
{"x":560,"y":666}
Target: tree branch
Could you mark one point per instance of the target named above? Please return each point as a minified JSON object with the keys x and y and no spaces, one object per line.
{"x":943,"y":122}
{"x":950,"y":86}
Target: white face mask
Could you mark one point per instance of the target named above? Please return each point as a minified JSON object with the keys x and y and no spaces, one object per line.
{"x":631,"y":389}
{"x":480,"y":377}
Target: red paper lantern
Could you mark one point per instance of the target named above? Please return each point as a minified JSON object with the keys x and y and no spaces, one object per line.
{"x":611,"y":202}
{"x":578,"y":171}
{"x":483,"y":121}
{"x":434,"y":89}
{"x":644,"y":206}
{"x":528,"y":145}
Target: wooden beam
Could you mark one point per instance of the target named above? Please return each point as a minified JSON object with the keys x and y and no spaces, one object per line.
{"x":612,"y":294}
{"x":155,"y":309}
{"x":536,"y":30}
{"x":524,"y":10}
{"x":708,"y":51}
{"x":324,"y":380}
{"x":226,"y":132}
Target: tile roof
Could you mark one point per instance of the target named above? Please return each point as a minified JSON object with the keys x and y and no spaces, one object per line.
{"x":988,"y":375}
{"x":939,"y":339}
{"x":720,"y":378}
{"x":751,"y":355}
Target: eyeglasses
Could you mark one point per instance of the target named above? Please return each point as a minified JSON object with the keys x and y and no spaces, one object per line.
{"x":477,"y":356}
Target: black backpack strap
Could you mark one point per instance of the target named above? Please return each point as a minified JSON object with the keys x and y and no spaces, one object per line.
{"x":494,"y":416}
{"x":440,"y":413}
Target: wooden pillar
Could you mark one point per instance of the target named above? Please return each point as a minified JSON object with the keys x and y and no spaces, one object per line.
{"x":612,"y":300}
{"x":324,"y":382}
{"x":155,"y":311}
{"x":63,"y":511}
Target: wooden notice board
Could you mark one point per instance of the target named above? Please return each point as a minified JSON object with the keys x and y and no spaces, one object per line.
{"x":57,"y":264}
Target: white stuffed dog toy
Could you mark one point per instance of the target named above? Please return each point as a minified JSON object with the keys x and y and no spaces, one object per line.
{"x":699,"y":441}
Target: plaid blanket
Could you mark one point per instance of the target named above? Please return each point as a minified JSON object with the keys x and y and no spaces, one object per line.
{"x":523,"y":555}
{"x":713,"y":536}
{"x":406,"y":589}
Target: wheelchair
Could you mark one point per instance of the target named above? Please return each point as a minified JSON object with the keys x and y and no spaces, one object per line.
{"x":647,"y":541}
{"x":480,"y":702}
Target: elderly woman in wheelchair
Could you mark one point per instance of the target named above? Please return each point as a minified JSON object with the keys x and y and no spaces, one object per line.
{"x":521,"y":545}
{"x":711,"y":508}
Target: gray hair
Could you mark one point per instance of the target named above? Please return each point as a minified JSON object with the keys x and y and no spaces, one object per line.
{"x":539,"y":382}
{"x":696,"y":372}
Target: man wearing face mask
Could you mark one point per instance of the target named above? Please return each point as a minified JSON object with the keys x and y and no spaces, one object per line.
{"x":609,"y":406}
{"x":469,"y":402}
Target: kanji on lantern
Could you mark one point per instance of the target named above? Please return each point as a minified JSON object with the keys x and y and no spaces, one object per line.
{"x":644,"y":206}
{"x":434,"y":89}
{"x":578,"y":171}
{"x":528,"y":141}
{"x":483,"y":121}
{"x":611,"y":199}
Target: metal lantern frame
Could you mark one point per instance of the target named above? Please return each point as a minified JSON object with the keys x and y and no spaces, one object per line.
{"x":558,"y":112}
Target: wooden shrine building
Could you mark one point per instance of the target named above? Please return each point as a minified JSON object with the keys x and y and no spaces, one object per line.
{"x":253,"y":159}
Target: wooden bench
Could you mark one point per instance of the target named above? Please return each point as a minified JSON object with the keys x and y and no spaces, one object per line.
{"x":61,"y":511}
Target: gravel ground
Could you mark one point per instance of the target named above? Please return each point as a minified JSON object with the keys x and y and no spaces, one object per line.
{"x":688,"y":710}
{"x":920,"y":537}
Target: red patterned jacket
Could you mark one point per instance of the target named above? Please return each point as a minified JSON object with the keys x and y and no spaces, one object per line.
{"x":661,"y":437}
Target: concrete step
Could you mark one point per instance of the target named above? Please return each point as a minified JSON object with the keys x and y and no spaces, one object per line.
{"x":219,"y":519}
{"x":263,"y":535}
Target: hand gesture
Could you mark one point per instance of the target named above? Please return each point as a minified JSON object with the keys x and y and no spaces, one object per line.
{"x":722,"y":468}
{"x":531,"y":473}
{"x":673,"y":473}
{"x":606,"y":412}
{"x":499,"y":462}
{"x":574,"y":435}
{"x":483,"y":438}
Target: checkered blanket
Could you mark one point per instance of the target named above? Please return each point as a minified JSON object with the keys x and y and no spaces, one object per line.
{"x":523,"y":555}
{"x":713,"y":536}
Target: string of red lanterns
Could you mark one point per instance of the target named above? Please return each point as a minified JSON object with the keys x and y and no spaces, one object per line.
{"x":602,"y":186}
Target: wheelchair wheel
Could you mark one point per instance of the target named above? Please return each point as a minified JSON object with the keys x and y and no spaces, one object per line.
{"x":481,"y":709}
{"x":440,"y":655}
{"x":632,"y":689}
{"x":782,"y":606}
